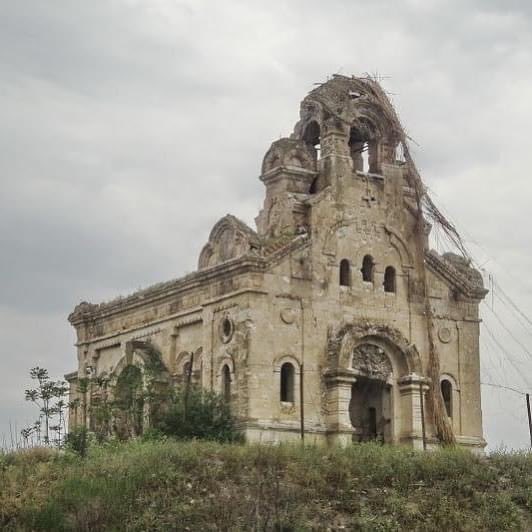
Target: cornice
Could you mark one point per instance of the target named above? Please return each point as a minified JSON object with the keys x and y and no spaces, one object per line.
{"x":296,"y":243}
{"x":295,"y":172}
{"x":451,"y":274}
{"x":85,"y":312}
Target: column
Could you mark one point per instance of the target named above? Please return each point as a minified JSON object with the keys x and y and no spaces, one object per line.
{"x":411,"y":388}
{"x":339,"y":389}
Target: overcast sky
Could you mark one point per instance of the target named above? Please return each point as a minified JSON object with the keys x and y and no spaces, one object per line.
{"x":129,"y":127}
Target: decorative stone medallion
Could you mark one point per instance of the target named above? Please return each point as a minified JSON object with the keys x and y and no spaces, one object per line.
{"x":288,"y":315}
{"x":445,"y":335}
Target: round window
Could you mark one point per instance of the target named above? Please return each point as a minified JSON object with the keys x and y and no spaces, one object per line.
{"x":227,"y":329}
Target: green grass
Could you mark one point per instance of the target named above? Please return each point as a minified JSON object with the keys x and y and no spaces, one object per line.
{"x":207,"y":486}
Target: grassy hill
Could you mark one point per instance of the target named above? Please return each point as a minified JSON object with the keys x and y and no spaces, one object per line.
{"x":206,"y":486}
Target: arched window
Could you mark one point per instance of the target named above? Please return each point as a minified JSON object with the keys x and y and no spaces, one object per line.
{"x":367,"y":269}
{"x":345,"y":273}
{"x":226,"y":382}
{"x":363,"y":148}
{"x":359,"y":148}
{"x":389,"y":279}
{"x":287,"y":382}
{"x":312,"y":137}
{"x":447,"y":394}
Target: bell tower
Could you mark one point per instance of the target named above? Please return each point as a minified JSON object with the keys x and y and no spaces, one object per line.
{"x":288,"y":172}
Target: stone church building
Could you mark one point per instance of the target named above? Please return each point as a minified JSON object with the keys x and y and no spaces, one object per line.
{"x":315,"y":323}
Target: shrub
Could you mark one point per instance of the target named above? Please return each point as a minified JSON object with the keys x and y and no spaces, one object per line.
{"x":153,"y":434}
{"x":198,"y":414}
{"x":77,"y":441}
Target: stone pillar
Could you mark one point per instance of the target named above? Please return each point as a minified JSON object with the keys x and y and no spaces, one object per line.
{"x":386,"y":151}
{"x":335,"y":164}
{"x":393,"y":194}
{"x":411,"y":388}
{"x":147,"y":388}
{"x":339,"y":389}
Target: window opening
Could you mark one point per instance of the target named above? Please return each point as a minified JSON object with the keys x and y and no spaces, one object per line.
{"x":227,"y":327}
{"x":359,"y":148}
{"x":389,"y":279}
{"x":447,"y":394}
{"x":365,"y":158}
{"x":226,"y":330}
{"x":287,"y":382}
{"x":345,"y":273}
{"x":312,"y":137}
{"x":400,"y":153}
{"x":226,"y":382}
{"x":367,"y":269}
{"x":363,"y":149}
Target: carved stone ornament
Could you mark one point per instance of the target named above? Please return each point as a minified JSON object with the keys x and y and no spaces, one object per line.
{"x":445,"y":335}
{"x":371,"y":361}
{"x":288,"y":316}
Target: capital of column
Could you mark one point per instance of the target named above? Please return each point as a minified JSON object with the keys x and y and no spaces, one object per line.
{"x":340,"y":377}
{"x":412,"y":382}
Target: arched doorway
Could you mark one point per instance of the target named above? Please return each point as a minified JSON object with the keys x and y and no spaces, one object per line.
{"x":129,"y":403}
{"x":370,"y":407}
{"x":375,"y":385}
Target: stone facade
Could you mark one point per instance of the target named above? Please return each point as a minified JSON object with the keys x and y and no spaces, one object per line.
{"x":316,"y":322}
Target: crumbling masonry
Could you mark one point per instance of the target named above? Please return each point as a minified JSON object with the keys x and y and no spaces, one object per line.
{"x":332,"y":319}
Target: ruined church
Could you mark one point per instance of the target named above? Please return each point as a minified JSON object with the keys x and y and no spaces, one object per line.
{"x":333,"y":320}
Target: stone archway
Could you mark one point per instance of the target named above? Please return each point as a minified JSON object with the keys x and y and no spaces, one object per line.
{"x":140,"y":385}
{"x":370,"y":407}
{"x":374,"y":385}
{"x":129,"y":403}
